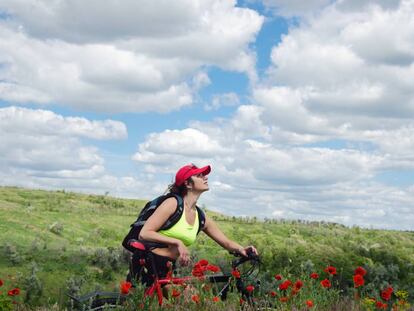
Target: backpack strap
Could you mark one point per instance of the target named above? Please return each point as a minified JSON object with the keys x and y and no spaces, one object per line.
{"x":147,"y":210}
{"x":175,"y":217}
{"x":150,"y":207}
{"x":201,"y":219}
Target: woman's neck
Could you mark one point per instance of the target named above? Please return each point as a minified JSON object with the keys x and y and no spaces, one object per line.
{"x":191,"y":199}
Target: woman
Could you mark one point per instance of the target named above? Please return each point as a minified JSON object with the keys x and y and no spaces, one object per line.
{"x":190,"y":183}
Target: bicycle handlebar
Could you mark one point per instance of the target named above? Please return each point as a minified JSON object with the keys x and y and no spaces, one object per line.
{"x":251,"y":256}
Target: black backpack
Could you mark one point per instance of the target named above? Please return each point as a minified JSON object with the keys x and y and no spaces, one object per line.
{"x":149,"y":209}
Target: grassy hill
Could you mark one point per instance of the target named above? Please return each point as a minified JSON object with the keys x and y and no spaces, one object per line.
{"x":53,"y":242}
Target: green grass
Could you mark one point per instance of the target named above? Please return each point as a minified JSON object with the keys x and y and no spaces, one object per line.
{"x":92,"y":222}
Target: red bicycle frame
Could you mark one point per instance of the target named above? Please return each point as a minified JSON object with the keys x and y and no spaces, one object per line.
{"x":156,"y":286}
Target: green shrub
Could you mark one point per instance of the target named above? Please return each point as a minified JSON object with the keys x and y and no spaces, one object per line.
{"x":11,"y":253}
{"x":56,"y":228}
{"x":33,"y":286}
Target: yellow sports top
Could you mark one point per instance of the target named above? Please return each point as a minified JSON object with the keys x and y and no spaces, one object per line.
{"x":183,"y":231}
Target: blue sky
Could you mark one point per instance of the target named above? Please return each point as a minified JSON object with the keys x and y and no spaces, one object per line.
{"x":303,"y":109}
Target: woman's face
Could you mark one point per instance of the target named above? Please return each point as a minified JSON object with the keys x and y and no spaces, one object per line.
{"x":200,"y":182}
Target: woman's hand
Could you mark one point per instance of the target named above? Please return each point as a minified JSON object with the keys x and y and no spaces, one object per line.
{"x":184,"y":255}
{"x":243,"y":251}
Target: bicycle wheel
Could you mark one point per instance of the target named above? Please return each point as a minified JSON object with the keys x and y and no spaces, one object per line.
{"x":104,"y":304}
{"x":96,"y":301}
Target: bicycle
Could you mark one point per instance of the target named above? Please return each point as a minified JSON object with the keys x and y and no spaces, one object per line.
{"x":99,"y":300}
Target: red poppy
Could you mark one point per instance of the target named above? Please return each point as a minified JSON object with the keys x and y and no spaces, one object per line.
{"x":285,"y":285}
{"x":331,"y":270}
{"x":216,"y":299}
{"x":314,"y":275}
{"x":125,"y":287}
{"x":1,"y":283}
{"x":14,"y":292}
{"x":200,"y":267}
{"x":283,"y":299}
{"x":358,"y":280}
{"x":360,"y":271}
{"x":386,"y":293}
{"x":213,"y":268}
{"x":197,"y":271}
{"x":236,"y":273}
{"x":326,"y":283}
{"x":195,"y":298}
{"x":175,"y":293}
{"x":381,"y":305}
{"x":309,"y":303}
{"x":298,"y":285}
{"x":241,"y":301}
{"x":278,"y":277}
{"x":250,"y":288}
{"x":203,"y":262}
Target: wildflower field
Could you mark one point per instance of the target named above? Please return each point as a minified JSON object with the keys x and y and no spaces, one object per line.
{"x":58,"y":243}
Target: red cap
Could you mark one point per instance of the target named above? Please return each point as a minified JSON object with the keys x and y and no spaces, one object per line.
{"x":190,"y":170}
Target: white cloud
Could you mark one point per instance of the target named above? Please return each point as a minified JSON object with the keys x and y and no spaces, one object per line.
{"x":182,"y":143}
{"x":43,"y":150}
{"x":357,"y":5}
{"x":223,"y":100}
{"x":284,"y":107}
{"x":42,"y":144}
{"x":143,"y":60}
{"x":14,"y":120}
{"x":248,"y":162}
{"x":201,"y":80}
{"x":95,"y":77}
{"x":335,"y":63}
{"x":397,"y":146}
{"x":81,"y":21}
{"x":390,"y":29}
{"x":354,"y":203}
{"x":294,"y":7}
{"x":247,"y":123}
{"x":313,"y":166}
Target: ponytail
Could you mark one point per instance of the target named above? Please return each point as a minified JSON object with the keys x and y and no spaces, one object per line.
{"x":179,"y":190}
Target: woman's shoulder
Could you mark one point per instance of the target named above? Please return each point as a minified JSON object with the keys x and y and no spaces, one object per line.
{"x":169,"y":204}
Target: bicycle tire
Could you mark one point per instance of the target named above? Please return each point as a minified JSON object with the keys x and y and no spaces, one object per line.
{"x":97,"y":301}
{"x":104,"y":303}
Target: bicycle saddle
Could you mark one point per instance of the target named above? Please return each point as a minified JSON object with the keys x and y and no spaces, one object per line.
{"x":145,"y":245}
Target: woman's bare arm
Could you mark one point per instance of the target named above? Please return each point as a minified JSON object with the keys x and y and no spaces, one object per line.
{"x":149,"y":231}
{"x":214,"y":232}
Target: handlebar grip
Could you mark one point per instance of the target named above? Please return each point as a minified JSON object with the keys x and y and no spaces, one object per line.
{"x":249,"y":252}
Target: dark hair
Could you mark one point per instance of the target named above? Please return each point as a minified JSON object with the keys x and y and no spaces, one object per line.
{"x":180,"y":190}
